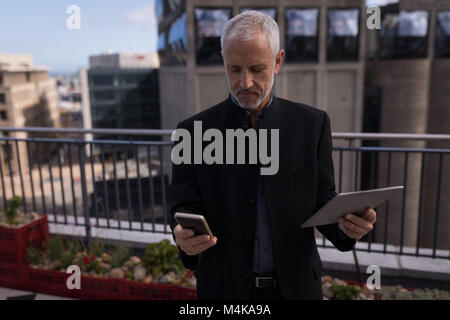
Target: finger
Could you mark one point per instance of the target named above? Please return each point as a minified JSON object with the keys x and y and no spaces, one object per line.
{"x":181,"y":233}
{"x":201,"y":247}
{"x":205,"y":245}
{"x":196,"y":240}
{"x":360,"y":222}
{"x":354,"y":228}
{"x":348,"y":231}
{"x":370,"y":215}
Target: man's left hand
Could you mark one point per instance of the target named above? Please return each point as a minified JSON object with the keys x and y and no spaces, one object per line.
{"x":356,"y":226}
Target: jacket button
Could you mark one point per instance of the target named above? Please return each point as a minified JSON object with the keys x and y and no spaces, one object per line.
{"x":247,"y":274}
{"x":249,"y":236}
{"x":252,"y":199}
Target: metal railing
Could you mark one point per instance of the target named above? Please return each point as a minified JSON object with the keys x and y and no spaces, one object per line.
{"x":123,"y":184}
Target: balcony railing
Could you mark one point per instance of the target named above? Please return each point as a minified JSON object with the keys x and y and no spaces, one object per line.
{"x":123,"y":184}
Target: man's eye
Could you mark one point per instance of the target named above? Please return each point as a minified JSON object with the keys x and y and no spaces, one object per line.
{"x":255,"y":70}
{"x":234,"y":70}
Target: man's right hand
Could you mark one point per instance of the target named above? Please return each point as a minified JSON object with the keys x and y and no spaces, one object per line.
{"x":190,"y":244}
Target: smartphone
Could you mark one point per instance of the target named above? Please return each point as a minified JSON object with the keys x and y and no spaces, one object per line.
{"x":195,"y":222}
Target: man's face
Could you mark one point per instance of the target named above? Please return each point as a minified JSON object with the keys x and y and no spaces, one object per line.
{"x":250,"y":68}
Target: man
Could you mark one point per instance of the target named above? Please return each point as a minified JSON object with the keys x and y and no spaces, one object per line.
{"x":260,"y":250}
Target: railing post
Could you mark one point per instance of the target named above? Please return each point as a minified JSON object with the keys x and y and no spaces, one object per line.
{"x":87,"y":221}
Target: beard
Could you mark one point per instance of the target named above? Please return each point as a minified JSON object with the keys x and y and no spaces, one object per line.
{"x":261,"y":94}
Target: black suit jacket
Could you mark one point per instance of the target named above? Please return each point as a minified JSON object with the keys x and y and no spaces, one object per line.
{"x":227,"y":196}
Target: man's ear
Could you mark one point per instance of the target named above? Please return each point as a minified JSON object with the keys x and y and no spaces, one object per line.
{"x":279,"y":60}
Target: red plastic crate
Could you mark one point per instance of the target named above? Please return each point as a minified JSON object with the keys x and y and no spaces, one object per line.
{"x":152,"y":291}
{"x":15,"y":242}
{"x":50,"y":282}
{"x":13,"y":276}
{"x":188,"y":293}
{"x":100,"y":289}
{"x":12,"y":273}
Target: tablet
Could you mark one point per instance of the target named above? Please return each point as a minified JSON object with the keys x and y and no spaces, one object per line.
{"x":351,"y":202}
{"x":195,"y":222}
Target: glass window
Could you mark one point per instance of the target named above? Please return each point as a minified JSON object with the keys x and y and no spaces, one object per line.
{"x":104,"y":95}
{"x":3,"y":115}
{"x":442,"y":40}
{"x":404,"y":35}
{"x":272,"y":12}
{"x":159,"y":10}
{"x":1,"y":79}
{"x":177,"y":32}
{"x":130,"y":79}
{"x":107,"y":124}
{"x":161,"y":41}
{"x":343,"y":32}
{"x":177,"y":41}
{"x":104,"y":113}
{"x":302,"y":35}
{"x":2,"y":98}
{"x":209,"y":26}
{"x":102,"y":80}
{"x":130,"y":95}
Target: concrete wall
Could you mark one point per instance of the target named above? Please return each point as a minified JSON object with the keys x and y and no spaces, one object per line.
{"x":405,"y":90}
{"x":439,"y":123}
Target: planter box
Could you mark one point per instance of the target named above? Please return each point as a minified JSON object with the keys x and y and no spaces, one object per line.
{"x":188,"y":293}
{"x":100,"y":289}
{"x":13,"y":245}
{"x":92,"y":288}
{"x":12,"y":276}
{"x":14,"y":242}
{"x":151,"y":291}
{"x":49,"y":282}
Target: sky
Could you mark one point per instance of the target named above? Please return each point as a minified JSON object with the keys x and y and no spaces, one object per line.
{"x":39,"y":28}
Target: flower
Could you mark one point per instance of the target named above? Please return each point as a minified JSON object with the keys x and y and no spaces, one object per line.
{"x":86,"y":260}
{"x":92,"y":257}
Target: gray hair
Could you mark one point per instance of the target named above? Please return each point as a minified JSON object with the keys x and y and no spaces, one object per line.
{"x":244,"y":26}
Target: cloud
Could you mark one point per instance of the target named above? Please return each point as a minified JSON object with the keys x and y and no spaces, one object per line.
{"x":143,"y":17}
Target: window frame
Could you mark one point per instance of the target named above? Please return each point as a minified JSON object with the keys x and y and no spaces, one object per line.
{"x":358,"y":40}
{"x":196,"y":37}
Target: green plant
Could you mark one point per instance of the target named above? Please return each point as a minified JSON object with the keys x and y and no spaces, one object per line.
{"x":348,"y":292}
{"x":119,"y":255}
{"x":62,"y":251}
{"x":33,"y":255}
{"x":70,"y":250}
{"x":162,"y":257}
{"x":399,"y":293}
{"x":11,"y":210}
{"x":55,"y":248}
{"x":97,"y":247}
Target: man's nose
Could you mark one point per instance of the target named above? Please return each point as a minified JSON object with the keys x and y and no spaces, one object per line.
{"x":246,"y":80}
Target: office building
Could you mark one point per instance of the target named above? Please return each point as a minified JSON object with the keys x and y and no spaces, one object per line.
{"x":28,"y":98}
{"x":121,"y":91}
